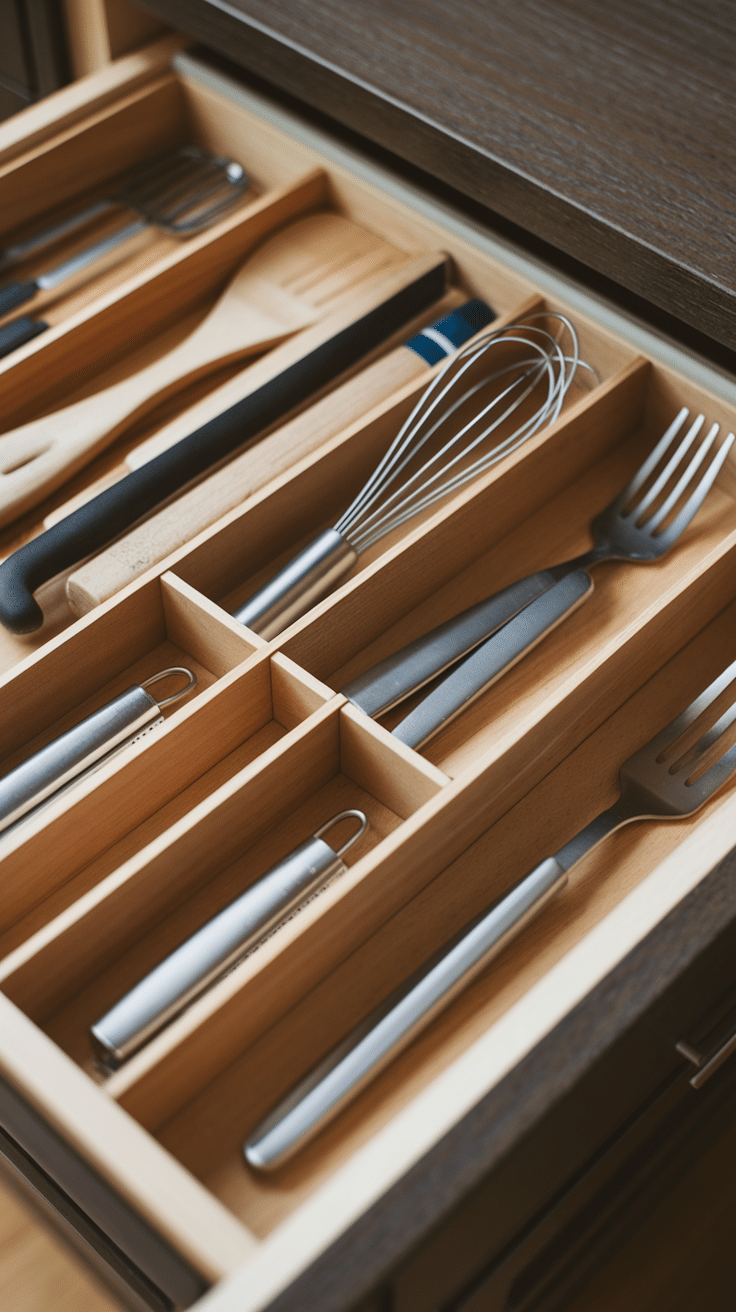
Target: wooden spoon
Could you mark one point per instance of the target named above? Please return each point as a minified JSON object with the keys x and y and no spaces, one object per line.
{"x":293,"y":280}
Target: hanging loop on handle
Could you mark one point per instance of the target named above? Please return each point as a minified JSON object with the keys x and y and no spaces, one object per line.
{"x":164,"y":674}
{"x":345,"y":815}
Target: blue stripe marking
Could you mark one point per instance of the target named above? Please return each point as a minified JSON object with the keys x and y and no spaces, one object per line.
{"x":457,"y":327}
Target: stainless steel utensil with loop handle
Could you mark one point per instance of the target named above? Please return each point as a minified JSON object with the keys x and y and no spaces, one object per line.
{"x":441,"y":447}
{"x":641,"y":524}
{"x":671,"y":776}
{"x":221,"y":943}
{"x":85,"y":747}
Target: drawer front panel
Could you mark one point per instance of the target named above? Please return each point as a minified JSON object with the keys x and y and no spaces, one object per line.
{"x":109,"y":1233}
{"x":581,"y":1156}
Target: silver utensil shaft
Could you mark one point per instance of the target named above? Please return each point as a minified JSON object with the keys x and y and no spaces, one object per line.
{"x":407,"y":670}
{"x":392,"y":1026}
{"x":83,"y":259}
{"x":296,"y":588}
{"x":209,"y":952}
{"x":76,"y":751}
{"x":468,"y":680}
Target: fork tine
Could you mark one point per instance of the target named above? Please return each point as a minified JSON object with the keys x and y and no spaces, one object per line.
{"x":666,"y":473}
{"x":684,"y":481}
{"x":654,"y":457}
{"x":711,"y":736}
{"x":668,"y":736}
{"x":713,"y":777}
{"x":694,"y":502}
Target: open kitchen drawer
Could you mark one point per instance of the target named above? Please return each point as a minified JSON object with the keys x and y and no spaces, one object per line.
{"x":572,"y":1031}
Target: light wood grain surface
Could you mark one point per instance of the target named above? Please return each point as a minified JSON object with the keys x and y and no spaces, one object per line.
{"x":37,"y":1273}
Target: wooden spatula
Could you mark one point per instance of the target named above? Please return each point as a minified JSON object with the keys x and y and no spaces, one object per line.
{"x":291,"y":281}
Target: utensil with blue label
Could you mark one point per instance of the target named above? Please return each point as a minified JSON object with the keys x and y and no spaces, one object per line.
{"x":366,"y":315}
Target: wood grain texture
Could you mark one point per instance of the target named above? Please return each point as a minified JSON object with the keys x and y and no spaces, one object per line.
{"x":406,"y":1215}
{"x":37,"y":1270}
{"x":605,"y":130}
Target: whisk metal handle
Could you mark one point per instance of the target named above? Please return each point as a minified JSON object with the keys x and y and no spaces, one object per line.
{"x":299,"y":585}
{"x":388,"y":1029}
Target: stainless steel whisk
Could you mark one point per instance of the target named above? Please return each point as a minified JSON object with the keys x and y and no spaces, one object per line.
{"x":399,"y":488}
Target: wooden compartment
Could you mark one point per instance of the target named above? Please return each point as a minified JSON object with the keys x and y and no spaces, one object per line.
{"x":108,"y":880}
{"x":154,"y":283}
{"x":530,"y":512}
{"x":105,"y":942}
{"x":204,"y":1082}
{"x":243,"y":705}
{"x":205,"y":1133}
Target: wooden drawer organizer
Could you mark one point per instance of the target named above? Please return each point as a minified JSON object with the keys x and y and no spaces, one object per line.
{"x":108,"y":878}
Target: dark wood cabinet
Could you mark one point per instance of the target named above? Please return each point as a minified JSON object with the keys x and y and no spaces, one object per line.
{"x":34,"y":58}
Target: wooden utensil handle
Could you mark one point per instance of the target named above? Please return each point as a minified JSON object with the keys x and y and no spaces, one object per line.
{"x":333,"y":349}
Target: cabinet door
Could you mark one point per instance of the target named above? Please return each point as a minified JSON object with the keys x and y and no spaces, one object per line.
{"x":33,"y":52}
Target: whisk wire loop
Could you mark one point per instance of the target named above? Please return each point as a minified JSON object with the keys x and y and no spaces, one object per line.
{"x":384,"y":502}
{"x":441,"y":446}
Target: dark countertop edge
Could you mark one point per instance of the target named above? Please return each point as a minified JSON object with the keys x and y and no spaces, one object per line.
{"x":366,"y":1253}
{"x":705,"y":305}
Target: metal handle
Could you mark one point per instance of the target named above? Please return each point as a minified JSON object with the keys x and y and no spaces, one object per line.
{"x":706,"y":1062}
{"x":223,"y":941}
{"x":70,"y":756}
{"x":488,"y":662}
{"x":388,"y":1029}
{"x":20,"y":250}
{"x":84,"y":747}
{"x":77,"y":263}
{"x":299,"y":585}
{"x":395,"y":678}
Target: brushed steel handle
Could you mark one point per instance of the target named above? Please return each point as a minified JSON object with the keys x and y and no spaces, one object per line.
{"x":707,"y":1063}
{"x":387,"y":1030}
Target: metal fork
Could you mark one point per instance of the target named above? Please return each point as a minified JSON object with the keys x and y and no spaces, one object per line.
{"x":661,"y":781}
{"x":635,"y":527}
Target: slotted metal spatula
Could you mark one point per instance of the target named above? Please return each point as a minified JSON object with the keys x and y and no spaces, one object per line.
{"x":182,"y":192}
{"x":670,"y":777}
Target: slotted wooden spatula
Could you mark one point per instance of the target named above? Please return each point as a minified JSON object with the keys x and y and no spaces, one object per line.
{"x":294,"y":279}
